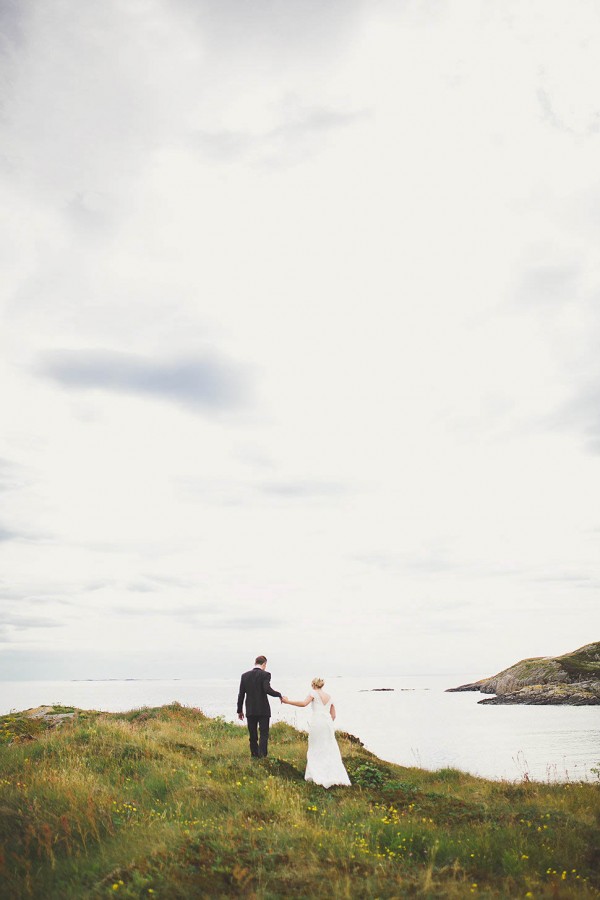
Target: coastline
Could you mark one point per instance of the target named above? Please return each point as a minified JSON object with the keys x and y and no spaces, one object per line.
{"x":427,"y":728}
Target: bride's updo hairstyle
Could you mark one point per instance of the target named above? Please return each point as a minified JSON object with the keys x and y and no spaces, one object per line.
{"x":317,"y":683}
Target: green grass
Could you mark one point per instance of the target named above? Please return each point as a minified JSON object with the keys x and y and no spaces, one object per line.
{"x":582,"y":663}
{"x":167,"y":803}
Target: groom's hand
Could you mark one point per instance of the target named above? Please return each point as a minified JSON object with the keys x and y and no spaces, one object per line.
{"x":241,"y":717}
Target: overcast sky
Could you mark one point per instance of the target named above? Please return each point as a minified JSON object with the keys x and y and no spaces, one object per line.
{"x":300,"y":335}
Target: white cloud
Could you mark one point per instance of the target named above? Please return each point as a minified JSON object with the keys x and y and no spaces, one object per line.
{"x":372,"y":226}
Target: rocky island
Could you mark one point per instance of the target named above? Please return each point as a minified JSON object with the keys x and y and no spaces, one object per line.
{"x":572,"y":679}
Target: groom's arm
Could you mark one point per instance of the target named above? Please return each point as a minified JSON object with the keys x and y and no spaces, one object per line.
{"x":267,"y":686}
{"x":240,"y":703}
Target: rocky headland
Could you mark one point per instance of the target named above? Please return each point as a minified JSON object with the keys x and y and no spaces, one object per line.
{"x":569,"y":680}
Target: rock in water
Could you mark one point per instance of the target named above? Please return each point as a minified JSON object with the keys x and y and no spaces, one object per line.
{"x":572,"y":679}
{"x":585,"y":694}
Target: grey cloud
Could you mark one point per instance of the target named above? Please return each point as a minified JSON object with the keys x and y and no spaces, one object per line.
{"x":9,"y":534}
{"x":445,"y":626}
{"x":547,"y":110}
{"x":22,"y":622}
{"x":147,"y":549}
{"x":581,"y":413}
{"x":45,"y":599}
{"x":506,"y":571}
{"x":21,"y":594}
{"x":435,"y":564}
{"x":427,"y":565}
{"x":139,"y":586}
{"x":84,"y":141}
{"x":85,"y":215}
{"x":223,"y":146}
{"x":579,"y":582}
{"x":558,"y":286}
{"x":216,"y":492}
{"x":12,"y":23}
{"x":142,"y":587}
{"x":275,"y":27}
{"x":197,"y":382}
{"x":299,"y":130}
{"x":22,"y":664}
{"x":299,"y":119}
{"x":549,"y":284}
{"x":303,"y":489}
{"x":376,"y":560}
{"x":208,"y":617}
{"x":97,"y":585}
{"x":8,"y":475}
{"x":568,"y":577}
{"x":39,"y":594}
{"x":171,"y":580}
{"x":250,"y":622}
{"x":257,"y":458}
{"x":550,"y":115}
{"x":186,"y":613}
{"x":438,"y":616}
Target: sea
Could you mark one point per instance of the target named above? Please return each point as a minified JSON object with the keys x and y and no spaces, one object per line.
{"x":410,"y":720}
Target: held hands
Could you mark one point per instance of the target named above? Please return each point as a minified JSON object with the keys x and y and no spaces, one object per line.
{"x":284,"y":699}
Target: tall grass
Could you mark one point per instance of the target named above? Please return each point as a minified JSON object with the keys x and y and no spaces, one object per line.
{"x":167,"y":803}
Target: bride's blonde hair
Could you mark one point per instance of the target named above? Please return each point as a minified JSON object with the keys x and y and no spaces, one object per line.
{"x":317,"y":683}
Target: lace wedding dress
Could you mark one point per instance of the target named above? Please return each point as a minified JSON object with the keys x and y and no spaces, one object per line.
{"x":324,"y":761}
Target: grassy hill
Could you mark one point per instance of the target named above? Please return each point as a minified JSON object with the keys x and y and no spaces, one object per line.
{"x":166,"y":803}
{"x":571,"y":679}
{"x":582,"y":663}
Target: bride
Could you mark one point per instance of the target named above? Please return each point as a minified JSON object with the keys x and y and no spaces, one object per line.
{"x":324,"y":761}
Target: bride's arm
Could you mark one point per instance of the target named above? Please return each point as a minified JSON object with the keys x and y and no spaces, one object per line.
{"x":332,"y":712}
{"x":304,"y":702}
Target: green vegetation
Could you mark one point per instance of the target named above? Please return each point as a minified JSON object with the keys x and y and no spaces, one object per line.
{"x":582,"y":663}
{"x":572,"y":679}
{"x":166,"y":803}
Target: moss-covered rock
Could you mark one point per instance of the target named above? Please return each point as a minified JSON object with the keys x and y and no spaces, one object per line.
{"x":572,"y":679}
{"x":581,"y":694}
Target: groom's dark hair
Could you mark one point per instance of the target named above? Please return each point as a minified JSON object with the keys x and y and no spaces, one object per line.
{"x":260,"y":660}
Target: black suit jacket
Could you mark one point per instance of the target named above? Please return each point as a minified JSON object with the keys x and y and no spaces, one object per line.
{"x":254,"y":686}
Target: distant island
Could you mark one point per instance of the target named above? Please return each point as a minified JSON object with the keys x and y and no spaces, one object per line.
{"x":569,"y":680}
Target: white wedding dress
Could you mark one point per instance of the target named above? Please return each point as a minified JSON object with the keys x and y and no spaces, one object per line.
{"x":324,"y":761}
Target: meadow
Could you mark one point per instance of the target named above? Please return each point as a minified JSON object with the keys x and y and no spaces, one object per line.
{"x":167,"y":803}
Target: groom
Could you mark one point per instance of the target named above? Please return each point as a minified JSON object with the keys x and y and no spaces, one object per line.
{"x":254,"y":686}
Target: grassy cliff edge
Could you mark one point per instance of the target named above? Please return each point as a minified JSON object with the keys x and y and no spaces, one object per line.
{"x":167,"y":803}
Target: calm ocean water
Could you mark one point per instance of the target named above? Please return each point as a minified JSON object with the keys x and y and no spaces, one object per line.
{"x":416,"y":723}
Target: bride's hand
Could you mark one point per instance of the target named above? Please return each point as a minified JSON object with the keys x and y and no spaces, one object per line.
{"x":284,"y":699}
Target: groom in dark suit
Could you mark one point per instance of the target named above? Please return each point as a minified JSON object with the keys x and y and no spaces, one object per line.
{"x":254,"y":686}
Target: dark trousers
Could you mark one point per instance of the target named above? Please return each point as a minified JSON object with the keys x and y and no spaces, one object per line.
{"x":258,"y":728}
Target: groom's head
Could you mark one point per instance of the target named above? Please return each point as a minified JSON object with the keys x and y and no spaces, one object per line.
{"x":260,"y":661}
